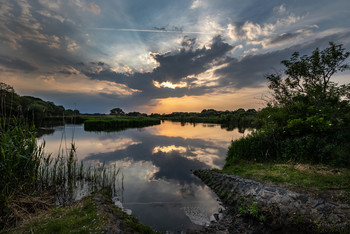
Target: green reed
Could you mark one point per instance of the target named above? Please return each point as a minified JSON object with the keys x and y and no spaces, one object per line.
{"x":27,"y":171}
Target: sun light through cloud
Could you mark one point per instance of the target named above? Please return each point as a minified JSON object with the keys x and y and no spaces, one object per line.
{"x":189,"y":56}
{"x":169,"y":85}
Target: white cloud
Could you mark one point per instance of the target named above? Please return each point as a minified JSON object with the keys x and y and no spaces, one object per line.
{"x":197,"y":4}
{"x":280,"y":10}
{"x":94,"y":8}
{"x":249,"y":31}
{"x":51,"y":15}
{"x":28,"y":29}
{"x":74,"y":82}
{"x":168,"y":149}
{"x":51,"y":4}
{"x":169,"y":85}
{"x":268,"y":35}
{"x":71,"y":45}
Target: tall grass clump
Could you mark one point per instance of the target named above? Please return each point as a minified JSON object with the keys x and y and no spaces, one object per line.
{"x":27,"y":172}
{"x":19,"y":162}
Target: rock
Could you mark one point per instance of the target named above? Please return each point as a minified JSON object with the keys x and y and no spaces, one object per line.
{"x":334,"y":219}
{"x":316,"y":203}
{"x":216,"y":215}
{"x":285,"y":201}
{"x":345,"y":206}
{"x":282,"y":191}
{"x":221,"y":209}
{"x":212,"y":219}
{"x":280,"y":206}
{"x":297,"y":205}
{"x":271,"y":189}
{"x":119,"y":204}
{"x":303,"y":198}
{"x":127,"y":211}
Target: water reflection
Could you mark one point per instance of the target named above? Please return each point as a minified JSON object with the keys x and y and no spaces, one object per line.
{"x":157,"y":161}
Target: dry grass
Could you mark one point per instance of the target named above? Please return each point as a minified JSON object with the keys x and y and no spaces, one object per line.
{"x":23,"y":208}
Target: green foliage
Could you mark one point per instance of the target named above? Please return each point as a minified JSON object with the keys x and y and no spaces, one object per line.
{"x":26,"y":171}
{"x":82,"y":218}
{"x":236,"y":117}
{"x":32,"y":109}
{"x":306,"y":177}
{"x":117,"y":111}
{"x":19,"y":162}
{"x":250,"y":209}
{"x":308,"y":77}
{"x":118,"y":123}
{"x":308,"y":120}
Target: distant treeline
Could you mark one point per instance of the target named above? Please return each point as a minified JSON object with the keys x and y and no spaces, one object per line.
{"x":239,"y":116}
{"x":31,"y":109}
{"x":45,"y":113}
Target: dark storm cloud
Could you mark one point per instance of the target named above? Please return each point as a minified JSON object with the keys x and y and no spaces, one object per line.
{"x":175,"y":66}
{"x":248,"y":72}
{"x":15,"y":63}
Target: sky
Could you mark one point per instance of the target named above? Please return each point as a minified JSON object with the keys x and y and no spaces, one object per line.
{"x":160,"y":56}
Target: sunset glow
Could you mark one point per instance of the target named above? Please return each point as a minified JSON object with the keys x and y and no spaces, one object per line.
{"x":159,"y":56}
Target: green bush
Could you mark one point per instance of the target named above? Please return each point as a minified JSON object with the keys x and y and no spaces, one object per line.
{"x":308,"y":119}
{"x":330,"y":147}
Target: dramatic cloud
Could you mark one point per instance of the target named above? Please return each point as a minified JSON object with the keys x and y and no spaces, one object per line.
{"x":149,"y":55}
{"x":15,"y":63}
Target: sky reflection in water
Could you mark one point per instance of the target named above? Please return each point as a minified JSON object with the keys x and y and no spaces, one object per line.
{"x":157,"y":162}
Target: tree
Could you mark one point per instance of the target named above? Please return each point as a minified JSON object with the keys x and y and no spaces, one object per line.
{"x":117,"y":111}
{"x":308,"y":78}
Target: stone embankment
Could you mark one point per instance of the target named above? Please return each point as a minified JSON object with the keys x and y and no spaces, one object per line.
{"x":278,"y":206}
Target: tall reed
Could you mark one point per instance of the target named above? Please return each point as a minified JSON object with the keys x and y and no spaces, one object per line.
{"x":27,"y":171}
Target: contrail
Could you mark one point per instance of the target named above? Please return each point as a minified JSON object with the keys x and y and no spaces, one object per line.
{"x":146,"y":30}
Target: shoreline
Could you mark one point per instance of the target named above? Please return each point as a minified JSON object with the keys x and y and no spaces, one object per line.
{"x":283,"y":210}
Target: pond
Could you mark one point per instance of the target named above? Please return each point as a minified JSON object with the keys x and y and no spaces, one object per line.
{"x":157,"y":164}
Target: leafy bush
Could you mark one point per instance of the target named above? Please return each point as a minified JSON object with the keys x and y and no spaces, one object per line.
{"x":309,"y":118}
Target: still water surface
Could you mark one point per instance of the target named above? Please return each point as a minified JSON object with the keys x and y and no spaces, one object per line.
{"x":156,"y":162}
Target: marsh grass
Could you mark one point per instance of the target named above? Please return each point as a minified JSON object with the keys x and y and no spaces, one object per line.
{"x":95,"y":213}
{"x":32,"y":180}
{"x":118,"y":123}
{"x":79,"y":218}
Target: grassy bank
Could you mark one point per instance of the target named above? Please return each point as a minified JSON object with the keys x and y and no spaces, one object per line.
{"x":118,"y":123}
{"x":94,"y":214}
{"x":317,"y":180}
{"x":303,"y":139}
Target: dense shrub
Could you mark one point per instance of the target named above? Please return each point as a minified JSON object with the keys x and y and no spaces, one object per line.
{"x":308,"y":119}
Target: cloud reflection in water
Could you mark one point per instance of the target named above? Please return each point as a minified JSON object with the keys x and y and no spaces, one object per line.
{"x":156,"y":163}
